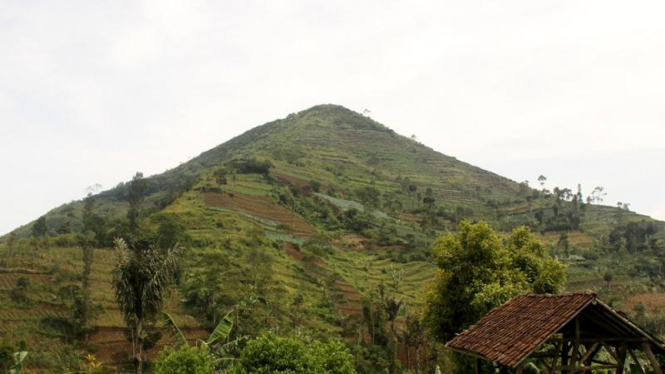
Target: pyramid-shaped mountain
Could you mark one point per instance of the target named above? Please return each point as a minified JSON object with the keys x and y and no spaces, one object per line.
{"x":294,"y":225}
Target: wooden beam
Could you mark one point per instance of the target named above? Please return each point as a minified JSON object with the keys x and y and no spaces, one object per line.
{"x":546,"y":354}
{"x":576,"y":347}
{"x":564,"y":356}
{"x":574,"y":359}
{"x":587,"y":368}
{"x":605,"y":339}
{"x":607,"y":320}
{"x":621,"y":354}
{"x":597,"y":361}
{"x":646,"y":347}
{"x":610,"y":351}
{"x":520,"y":369}
{"x":591,"y":353}
{"x":559,"y":348}
{"x":636,"y":361}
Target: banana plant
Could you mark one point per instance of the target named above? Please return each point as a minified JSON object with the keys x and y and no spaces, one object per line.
{"x":216,"y":342}
{"x":18,"y":359}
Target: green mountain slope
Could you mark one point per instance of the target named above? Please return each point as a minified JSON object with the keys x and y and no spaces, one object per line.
{"x":297,"y":224}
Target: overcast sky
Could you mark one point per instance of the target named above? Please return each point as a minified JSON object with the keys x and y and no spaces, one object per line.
{"x":92,"y":91}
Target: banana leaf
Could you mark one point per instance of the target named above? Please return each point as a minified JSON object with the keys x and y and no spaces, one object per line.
{"x":176,"y":334}
{"x":222,"y":330}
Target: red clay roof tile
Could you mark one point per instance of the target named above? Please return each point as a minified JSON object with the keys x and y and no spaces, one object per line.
{"x":512,"y":331}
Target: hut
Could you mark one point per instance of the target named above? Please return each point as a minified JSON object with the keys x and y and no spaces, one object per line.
{"x":567,"y":333}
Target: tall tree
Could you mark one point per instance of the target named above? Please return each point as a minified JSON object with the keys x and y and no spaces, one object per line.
{"x":542,"y":179}
{"x":479,"y":271}
{"x":39,"y":229}
{"x":94,"y":227}
{"x":135,"y":197}
{"x":86,"y":307}
{"x":11,"y":241}
{"x":141,"y":278}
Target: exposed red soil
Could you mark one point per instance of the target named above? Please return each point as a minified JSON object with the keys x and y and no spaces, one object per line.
{"x":353,"y":242}
{"x":401,"y":355}
{"x":291,"y":179}
{"x":576,"y":238}
{"x":346,"y":298}
{"x":114,"y":349}
{"x":8,"y":280}
{"x":408,"y":217}
{"x":291,"y":250}
{"x":262,"y":207}
{"x":652,"y":301}
{"x":351,"y":304}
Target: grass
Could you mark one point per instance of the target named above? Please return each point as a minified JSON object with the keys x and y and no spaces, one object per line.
{"x":280,"y":213}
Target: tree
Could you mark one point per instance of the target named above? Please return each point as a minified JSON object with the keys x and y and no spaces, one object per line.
{"x":11,"y":241}
{"x":92,"y":222}
{"x":479,"y":271}
{"x":135,"y":197}
{"x":86,"y":302}
{"x":396,"y":276}
{"x":92,"y":229}
{"x":39,"y":229}
{"x":369,"y":196}
{"x":429,"y":202}
{"x":270,"y":354}
{"x":141,"y":278}
{"x":414,"y":336}
{"x":608,"y":279}
{"x":185,"y":360}
{"x":6,"y":356}
{"x":597,"y":195}
{"x":542,"y":179}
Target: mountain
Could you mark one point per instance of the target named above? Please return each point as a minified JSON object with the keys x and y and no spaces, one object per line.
{"x":298,"y":223}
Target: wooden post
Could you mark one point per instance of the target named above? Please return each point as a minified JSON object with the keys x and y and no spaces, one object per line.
{"x":573,"y":358}
{"x":520,"y":369}
{"x":477,"y":366}
{"x":564,"y":357}
{"x":576,"y":348}
{"x":558,"y":352}
{"x":646,"y":347}
{"x":621,"y":355}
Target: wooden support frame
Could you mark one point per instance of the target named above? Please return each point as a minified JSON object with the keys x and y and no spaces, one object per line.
{"x":636,"y":361}
{"x":573,"y":344}
{"x":646,"y":347}
{"x":621,"y":355}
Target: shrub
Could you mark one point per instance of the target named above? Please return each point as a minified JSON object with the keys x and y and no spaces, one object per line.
{"x":271,"y":354}
{"x":186,"y":360}
{"x":251,"y":166}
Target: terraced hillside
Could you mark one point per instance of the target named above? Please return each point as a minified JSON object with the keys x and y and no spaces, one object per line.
{"x":297,"y":226}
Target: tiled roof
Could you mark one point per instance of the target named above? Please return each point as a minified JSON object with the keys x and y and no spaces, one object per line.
{"x":512,"y":331}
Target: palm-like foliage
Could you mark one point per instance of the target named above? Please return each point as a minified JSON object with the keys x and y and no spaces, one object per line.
{"x":217,"y":341}
{"x":392,"y":307}
{"x":141,"y":279}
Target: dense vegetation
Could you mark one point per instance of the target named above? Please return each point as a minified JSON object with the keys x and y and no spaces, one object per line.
{"x":317,"y":226}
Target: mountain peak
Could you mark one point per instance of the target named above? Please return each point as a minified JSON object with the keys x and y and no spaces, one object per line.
{"x":340,"y":117}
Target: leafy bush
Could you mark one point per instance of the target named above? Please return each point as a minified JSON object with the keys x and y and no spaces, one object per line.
{"x":251,"y":166}
{"x":271,"y":354}
{"x":186,"y":360}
